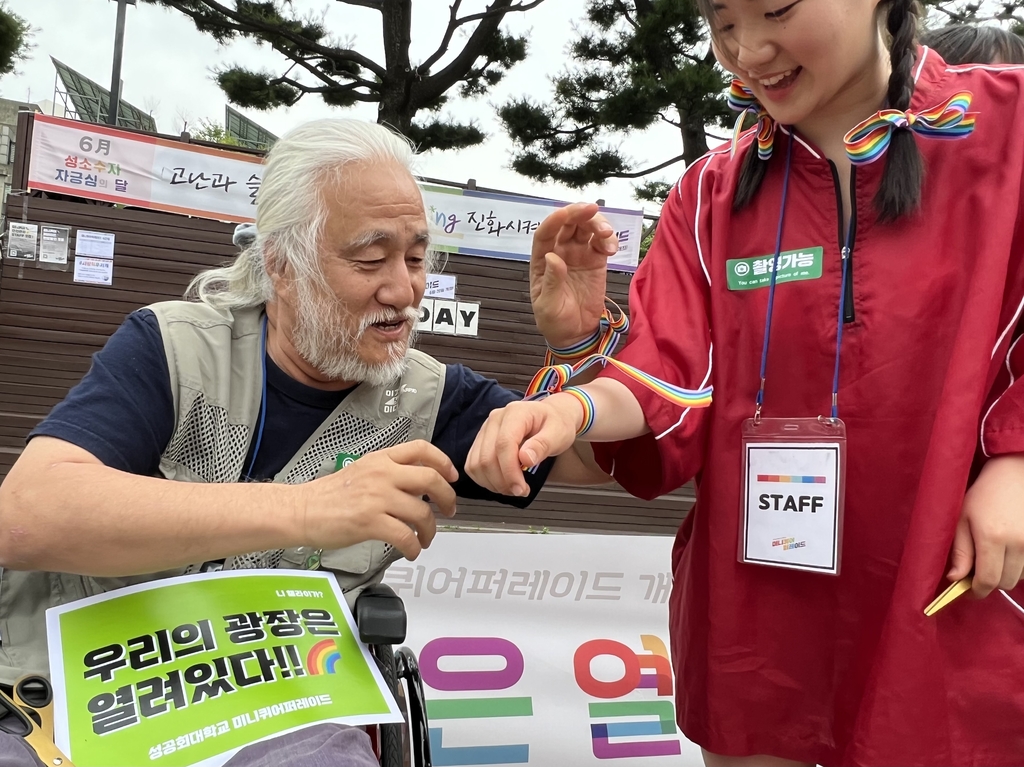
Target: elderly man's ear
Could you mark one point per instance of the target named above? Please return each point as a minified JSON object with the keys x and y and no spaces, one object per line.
{"x":280,"y":272}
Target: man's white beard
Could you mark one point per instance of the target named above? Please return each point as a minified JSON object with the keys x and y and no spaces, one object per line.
{"x":325,"y":338}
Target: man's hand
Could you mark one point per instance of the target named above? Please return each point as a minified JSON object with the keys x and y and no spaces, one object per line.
{"x":521,"y":434}
{"x":990,"y":535}
{"x":568,"y":269}
{"x":380,"y":497}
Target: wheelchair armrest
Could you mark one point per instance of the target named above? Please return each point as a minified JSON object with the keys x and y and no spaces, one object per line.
{"x":380,"y":615}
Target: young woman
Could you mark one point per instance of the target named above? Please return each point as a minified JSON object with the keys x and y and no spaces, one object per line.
{"x":802,"y":574}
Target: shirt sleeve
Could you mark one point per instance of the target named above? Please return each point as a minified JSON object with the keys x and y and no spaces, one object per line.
{"x":467,"y":400}
{"x":670,"y":339}
{"x":122,"y":411}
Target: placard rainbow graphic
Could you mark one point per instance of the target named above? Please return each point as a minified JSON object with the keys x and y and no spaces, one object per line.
{"x":323,"y":657}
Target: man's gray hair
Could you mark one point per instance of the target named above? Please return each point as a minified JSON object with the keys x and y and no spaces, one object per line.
{"x":290,"y":208}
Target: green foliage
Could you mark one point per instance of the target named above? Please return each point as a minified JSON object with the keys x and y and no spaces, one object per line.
{"x":15,"y":39}
{"x":258,"y":90}
{"x":318,"y":63}
{"x":213,"y":132}
{"x":444,"y":134}
{"x":633,"y":64}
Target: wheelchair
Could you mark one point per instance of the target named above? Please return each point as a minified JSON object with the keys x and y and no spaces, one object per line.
{"x":381,"y":620}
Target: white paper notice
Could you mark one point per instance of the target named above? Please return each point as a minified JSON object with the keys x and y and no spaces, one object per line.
{"x":99,"y":244}
{"x":53,"y":244}
{"x":440,"y":286}
{"x":94,"y":271}
{"x":21,"y":241}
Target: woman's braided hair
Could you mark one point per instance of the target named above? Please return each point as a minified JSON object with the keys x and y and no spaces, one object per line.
{"x":900,"y":192}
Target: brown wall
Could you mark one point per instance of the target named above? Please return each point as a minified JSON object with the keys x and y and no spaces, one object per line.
{"x":49,"y":327}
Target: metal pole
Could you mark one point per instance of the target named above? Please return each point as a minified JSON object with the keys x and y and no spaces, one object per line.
{"x":115,"y":77}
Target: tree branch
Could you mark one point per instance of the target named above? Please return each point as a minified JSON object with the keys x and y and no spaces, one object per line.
{"x":497,"y":9}
{"x":303,"y":88}
{"x":453,"y":12}
{"x":329,"y":53}
{"x":655,"y":169}
{"x":324,"y":77}
{"x":377,"y":5}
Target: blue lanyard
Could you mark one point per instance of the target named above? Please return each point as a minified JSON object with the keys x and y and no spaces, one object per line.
{"x":263,"y":398}
{"x":771,"y":296}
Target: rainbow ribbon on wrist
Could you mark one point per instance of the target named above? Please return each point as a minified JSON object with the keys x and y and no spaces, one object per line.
{"x":869,"y":140}
{"x":741,"y":99}
{"x":604,"y":340}
{"x":552,"y":380}
{"x":589,"y":412}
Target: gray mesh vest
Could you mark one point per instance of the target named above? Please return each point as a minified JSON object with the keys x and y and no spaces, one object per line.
{"x":216,"y":381}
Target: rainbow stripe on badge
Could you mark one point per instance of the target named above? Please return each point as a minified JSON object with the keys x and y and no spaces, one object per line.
{"x":792,"y":479}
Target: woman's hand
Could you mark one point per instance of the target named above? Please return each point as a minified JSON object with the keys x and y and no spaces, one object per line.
{"x":990,"y":535}
{"x":568,"y":270}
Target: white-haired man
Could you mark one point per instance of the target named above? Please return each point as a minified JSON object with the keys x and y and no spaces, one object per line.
{"x":289,"y":363}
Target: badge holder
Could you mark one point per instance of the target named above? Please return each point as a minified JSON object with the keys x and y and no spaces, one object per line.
{"x":794,"y":469}
{"x":792,"y":499}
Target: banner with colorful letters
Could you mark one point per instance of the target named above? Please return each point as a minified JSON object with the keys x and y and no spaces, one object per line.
{"x":545,"y":650}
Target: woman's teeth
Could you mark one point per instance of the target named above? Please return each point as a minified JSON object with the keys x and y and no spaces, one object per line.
{"x":776,"y":79}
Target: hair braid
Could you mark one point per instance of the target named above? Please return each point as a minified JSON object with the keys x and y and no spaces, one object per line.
{"x":751,"y":175}
{"x":900,"y":192}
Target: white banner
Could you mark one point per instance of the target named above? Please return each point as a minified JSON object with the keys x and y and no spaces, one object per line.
{"x":545,"y":649}
{"x":101,"y":163}
{"x":502,"y":226}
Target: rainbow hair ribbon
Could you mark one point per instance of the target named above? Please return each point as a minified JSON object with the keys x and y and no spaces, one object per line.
{"x":741,"y":99}
{"x":949,"y":120}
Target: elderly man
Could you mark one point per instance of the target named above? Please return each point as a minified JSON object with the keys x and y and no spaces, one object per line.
{"x":289,"y":364}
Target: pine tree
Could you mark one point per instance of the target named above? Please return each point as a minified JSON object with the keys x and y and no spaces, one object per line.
{"x":409,"y":95}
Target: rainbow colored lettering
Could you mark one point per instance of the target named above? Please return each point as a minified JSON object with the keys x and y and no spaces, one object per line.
{"x":658,"y":678}
{"x":789,"y":543}
{"x":474,"y":708}
{"x":797,"y":480}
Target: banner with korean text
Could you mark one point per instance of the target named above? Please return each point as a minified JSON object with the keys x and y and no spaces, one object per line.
{"x":501,"y":226}
{"x":186,"y":671}
{"x":102,"y":163}
{"x":545,"y":650}
{"x":141,"y":170}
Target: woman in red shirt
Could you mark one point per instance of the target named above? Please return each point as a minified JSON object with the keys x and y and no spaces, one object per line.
{"x":887,"y":264}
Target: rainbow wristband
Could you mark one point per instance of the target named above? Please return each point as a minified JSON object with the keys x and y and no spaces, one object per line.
{"x":588,"y":408}
{"x":604,"y":340}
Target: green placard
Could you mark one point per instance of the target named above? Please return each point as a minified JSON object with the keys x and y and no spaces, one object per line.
{"x":756,"y":272}
{"x":187,"y":669}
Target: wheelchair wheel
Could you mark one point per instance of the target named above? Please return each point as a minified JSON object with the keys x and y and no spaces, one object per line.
{"x":392,"y":740}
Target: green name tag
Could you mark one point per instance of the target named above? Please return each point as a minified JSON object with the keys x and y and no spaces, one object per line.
{"x":344,"y":459}
{"x":756,"y":272}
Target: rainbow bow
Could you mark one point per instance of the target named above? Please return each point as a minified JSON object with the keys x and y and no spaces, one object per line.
{"x":949,"y":120}
{"x":741,"y":99}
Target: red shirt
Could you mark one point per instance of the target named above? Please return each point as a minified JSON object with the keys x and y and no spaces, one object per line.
{"x":847,"y":669}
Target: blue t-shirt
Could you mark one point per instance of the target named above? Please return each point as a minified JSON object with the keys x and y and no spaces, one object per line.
{"x":122,"y":412}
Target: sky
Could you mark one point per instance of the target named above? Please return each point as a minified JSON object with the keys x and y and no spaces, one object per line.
{"x":168,"y":70}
